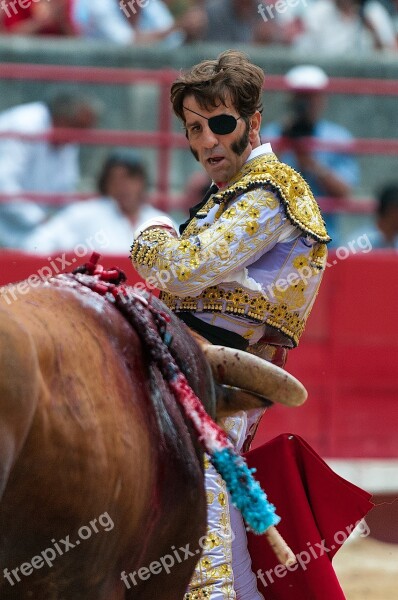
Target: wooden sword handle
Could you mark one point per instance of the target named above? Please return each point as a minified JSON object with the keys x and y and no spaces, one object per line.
{"x":283,"y":553}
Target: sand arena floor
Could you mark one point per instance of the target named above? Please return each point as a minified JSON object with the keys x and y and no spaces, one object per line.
{"x":368,"y":570}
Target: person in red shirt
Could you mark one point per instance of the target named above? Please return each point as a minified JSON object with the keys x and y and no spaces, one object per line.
{"x":36,"y":18}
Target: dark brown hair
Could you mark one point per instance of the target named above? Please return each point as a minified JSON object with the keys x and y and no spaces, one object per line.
{"x":127,"y":159}
{"x":212,"y":81}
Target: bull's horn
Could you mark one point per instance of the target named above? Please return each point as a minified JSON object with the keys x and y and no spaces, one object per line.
{"x":246,"y":371}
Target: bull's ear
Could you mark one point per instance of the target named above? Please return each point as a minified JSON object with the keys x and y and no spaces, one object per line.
{"x":231,"y":400}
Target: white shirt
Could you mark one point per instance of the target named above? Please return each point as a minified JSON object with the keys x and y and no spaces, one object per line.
{"x":96,"y":224}
{"x":328,"y":31}
{"x":35,"y":166}
{"x":17,"y":220}
{"x":104,"y":19}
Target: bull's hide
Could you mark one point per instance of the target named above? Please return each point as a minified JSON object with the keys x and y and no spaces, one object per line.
{"x":96,"y":461}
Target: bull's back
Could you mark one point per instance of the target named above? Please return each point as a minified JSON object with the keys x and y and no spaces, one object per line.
{"x":102,"y":440}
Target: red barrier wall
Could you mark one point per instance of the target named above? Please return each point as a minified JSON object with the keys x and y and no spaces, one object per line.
{"x":347,"y":359}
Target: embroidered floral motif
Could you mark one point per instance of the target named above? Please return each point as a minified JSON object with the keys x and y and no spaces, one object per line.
{"x":238,"y":296}
{"x":185,"y":246}
{"x":229,"y":236}
{"x":205,"y":563}
{"x":222,"y":499}
{"x":251,"y":227}
{"x":254,"y":213}
{"x":212,"y":540}
{"x":229,"y":213}
{"x":300,"y":261}
{"x":183,"y":273}
{"x":213,"y":293}
{"x":242,"y":205}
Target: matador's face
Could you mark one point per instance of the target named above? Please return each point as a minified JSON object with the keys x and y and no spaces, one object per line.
{"x":222,"y":155}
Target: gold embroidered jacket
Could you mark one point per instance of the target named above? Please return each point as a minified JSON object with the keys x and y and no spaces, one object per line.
{"x":250,"y":261}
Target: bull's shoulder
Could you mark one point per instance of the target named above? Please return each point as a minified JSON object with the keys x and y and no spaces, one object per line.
{"x":19,"y":389}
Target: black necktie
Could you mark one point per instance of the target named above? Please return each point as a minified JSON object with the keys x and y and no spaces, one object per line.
{"x":195,"y":209}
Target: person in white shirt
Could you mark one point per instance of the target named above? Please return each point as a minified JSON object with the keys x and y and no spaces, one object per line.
{"x":131,"y":22}
{"x":44,"y":165}
{"x":39,"y":166}
{"x":339,"y":26}
{"x":106,"y":223}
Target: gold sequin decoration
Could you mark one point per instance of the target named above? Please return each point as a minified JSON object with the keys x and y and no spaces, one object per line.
{"x":145,"y":249}
{"x":283,"y":315}
{"x":300,"y":205}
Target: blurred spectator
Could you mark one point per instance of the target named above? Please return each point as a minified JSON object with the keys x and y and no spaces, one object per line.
{"x":179,"y":7}
{"x":340,"y":26}
{"x":38,"y":166}
{"x":126,"y":22}
{"x":385,"y":233}
{"x":328,"y":172}
{"x":17,"y":220}
{"x":231,"y":20}
{"x":38,"y":18}
{"x":280,"y":26}
{"x":43,"y":166}
{"x":107,"y":223}
{"x":394,"y":14}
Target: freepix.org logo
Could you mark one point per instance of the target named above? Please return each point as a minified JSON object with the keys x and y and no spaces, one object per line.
{"x":56,"y":265}
{"x":12,"y":7}
{"x":270,"y":11}
{"x":58,"y":548}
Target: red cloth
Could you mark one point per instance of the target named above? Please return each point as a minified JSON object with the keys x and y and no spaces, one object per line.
{"x":12,"y":18}
{"x":316,"y":507}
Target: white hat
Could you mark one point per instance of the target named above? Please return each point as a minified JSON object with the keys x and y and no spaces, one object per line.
{"x":306,"y":77}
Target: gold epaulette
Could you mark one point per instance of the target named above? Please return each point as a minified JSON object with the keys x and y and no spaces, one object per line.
{"x":300,"y":205}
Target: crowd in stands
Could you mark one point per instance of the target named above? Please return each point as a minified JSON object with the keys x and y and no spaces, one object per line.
{"x":120,"y":203}
{"x":330,"y":174}
{"x":46,"y":166}
{"x":51,"y":165}
{"x":329,"y":27}
{"x":110,"y":219}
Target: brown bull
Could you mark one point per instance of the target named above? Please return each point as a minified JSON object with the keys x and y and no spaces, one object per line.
{"x":98,"y":470}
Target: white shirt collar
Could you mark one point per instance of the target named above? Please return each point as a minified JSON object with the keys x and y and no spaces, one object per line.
{"x":263,"y":149}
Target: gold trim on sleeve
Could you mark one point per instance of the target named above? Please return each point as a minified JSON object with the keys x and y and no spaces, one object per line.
{"x":145,"y":248}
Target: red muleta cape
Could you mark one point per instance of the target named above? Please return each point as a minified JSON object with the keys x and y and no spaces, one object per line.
{"x":318,"y":510}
